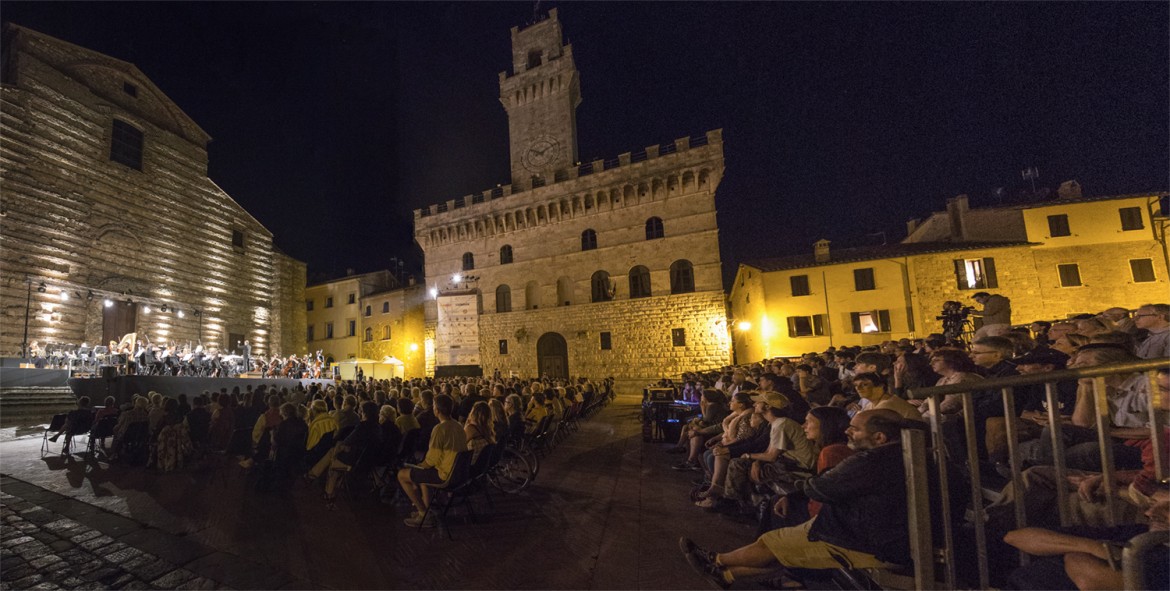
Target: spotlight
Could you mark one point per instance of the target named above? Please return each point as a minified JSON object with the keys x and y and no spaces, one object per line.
{"x":179,"y":313}
{"x":745,"y":325}
{"x":77,"y":294}
{"x":146,"y":309}
{"x":197,"y":313}
{"x":434,"y":292}
{"x":64,"y":296}
{"x":41,"y":288}
{"x":456,"y":278}
{"x":89,"y":296}
{"x":108,"y":302}
{"x":164,"y":308}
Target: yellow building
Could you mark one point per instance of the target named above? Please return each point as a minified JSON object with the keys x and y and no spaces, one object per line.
{"x":392,"y":322}
{"x":1052,"y":259}
{"x":333,"y":313}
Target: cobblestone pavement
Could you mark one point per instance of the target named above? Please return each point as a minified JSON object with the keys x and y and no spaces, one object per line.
{"x":605,"y":513}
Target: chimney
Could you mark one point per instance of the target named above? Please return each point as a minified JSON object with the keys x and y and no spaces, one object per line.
{"x":821,"y":250}
{"x":1069,"y":190}
{"x":957,"y":214}
{"x":911,"y":225}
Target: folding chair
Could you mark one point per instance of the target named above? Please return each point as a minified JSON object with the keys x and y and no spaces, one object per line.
{"x":443,"y":494}
{"x":101,"y":430}
{"x":55,"y":425}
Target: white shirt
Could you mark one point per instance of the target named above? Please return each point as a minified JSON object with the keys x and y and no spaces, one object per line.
{"x":1130,"y":403}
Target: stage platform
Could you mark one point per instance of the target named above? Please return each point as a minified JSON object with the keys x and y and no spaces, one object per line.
{"x":123,"y":388}
{"x":19,"y":377}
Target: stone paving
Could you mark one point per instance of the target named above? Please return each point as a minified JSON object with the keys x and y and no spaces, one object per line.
{"x":605,"y":513}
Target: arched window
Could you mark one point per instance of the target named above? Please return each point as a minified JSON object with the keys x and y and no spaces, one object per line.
{"x":369,"y":310}
{"x":468,"y":261}
{"x":385,"y":307}
{"x":505,"y":254}
{"x":588,"y":240}
{"x":503,"y":299}
{"x":639,"y":282}
{"x":369,"y":334}
{"x":654,"y":228}
{"x":682,"y":277}
{"x":602,"y":289}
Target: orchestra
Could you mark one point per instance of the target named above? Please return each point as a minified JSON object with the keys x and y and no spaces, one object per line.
{"x":137,"y":355}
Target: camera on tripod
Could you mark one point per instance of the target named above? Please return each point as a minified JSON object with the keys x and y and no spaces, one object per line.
{"x":954,"y":316}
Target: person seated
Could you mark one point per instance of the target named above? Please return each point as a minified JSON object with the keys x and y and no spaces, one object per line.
{"x":322,"y":429}
{"x":447,"y":440}
{"x":741,"y":431}
{"x":406,"y":421}
{"x":173,"y":439}
{"x":953,"y":367}
{"x":871,"y":387}
{"x":344,"y":456}
{"x":699,"y":430}
{"x":262,"y":432}
{"x":223,"y":421}
{"x":862,"y":519}
{"x":346,"y":416}
{"x":77,"y":422}
{"x":788,"y":451}
{"x":288,"y":441}
{"x":1089,"y":558}
{"x":514,"y":409}
{"x":199,"y":421}
{"x":109,"y":410}
{"x":499,"y":419}
{"x":826,"y":427}
{"x":536,"y":411}
{"x":427,"y":419}
{"x":478,"y":429}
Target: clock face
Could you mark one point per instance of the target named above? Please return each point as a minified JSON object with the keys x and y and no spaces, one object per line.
{"x":542,"y":152}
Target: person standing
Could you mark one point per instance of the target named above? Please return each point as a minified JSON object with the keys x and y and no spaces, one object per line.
{"x":996,"y":313}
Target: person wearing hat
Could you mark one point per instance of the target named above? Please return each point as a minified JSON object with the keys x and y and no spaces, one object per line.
{"x":996,"y":314}
{"x":789,"y":450}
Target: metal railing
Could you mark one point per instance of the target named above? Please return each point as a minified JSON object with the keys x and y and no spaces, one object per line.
{"x":914,"y":445}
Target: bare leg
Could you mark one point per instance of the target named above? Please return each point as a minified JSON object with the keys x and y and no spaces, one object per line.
{"x":753,"y":559}
{"x":696,"y":444}
{"x":720,"y":475}
{"x":409,"y":488}
{"x":1091,"y":573}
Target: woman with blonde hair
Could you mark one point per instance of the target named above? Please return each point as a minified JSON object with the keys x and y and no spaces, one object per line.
{"x":479,"y":429}
{"x":322,"y":426}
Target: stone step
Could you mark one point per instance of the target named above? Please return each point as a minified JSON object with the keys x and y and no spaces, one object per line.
{"x":21,"y":406}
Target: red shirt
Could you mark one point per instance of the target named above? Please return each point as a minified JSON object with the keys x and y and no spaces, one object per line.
{"x":830,"y":456}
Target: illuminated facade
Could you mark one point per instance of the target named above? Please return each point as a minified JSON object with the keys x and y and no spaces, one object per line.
{"x":607,"y":268}
{"x":334,"y":313}
{"x":106,"y":197}
{"x":1053,"y":259}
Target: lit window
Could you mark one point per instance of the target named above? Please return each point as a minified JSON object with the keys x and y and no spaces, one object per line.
{"x":386,"y":332}
{"x":976,"y":273}
{"x":870,"y":322}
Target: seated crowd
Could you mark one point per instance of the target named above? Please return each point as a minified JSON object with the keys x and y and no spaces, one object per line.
{"x":809,"y":450}
{"x":377,"y":424}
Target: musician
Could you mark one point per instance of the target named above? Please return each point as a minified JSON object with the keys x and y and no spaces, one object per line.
{"x":247,"y":356}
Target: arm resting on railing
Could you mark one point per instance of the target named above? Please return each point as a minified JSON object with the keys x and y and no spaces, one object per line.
{"x":1042,"y":542}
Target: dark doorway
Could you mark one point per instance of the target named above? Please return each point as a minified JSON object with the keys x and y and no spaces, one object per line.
{"x":118,"y":320}
{"x":552,"y":355}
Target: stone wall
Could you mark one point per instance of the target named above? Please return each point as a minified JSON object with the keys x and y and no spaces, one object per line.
{"x":642,"y":347}
{"x":288,"y":303}
{"x":75,"y":219}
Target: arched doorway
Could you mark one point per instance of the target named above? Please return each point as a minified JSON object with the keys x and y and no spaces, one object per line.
{"x":552,"y":356}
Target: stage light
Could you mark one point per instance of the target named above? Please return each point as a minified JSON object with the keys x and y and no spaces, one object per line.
{"x":64,"y":296}
{"x":414,"y":346}
{"x":456,"y":278}
{"x":164,"y":308}
{"x":41,"y":288}
{"x":179,"y":313}
{"x":108,"y":302}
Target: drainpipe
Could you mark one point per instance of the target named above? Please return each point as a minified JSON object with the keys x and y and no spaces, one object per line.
{"x":828,"y":318}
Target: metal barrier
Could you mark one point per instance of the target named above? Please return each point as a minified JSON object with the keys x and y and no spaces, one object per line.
{"x":923,"y":548}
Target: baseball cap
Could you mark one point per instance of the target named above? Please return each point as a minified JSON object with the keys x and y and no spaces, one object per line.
{"x":773,"y":399}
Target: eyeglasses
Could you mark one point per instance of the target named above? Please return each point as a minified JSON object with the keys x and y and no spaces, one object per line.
{"x":982,"y":352}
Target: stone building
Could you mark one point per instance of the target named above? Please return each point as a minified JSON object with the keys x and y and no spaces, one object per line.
{"x":106,"y":198}
{"x":333,"y":313}
{"x":1052,"y":259}
{"x":609,"y":267}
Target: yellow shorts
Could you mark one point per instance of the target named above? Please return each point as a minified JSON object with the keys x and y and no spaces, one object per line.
{"x":791,"y":547}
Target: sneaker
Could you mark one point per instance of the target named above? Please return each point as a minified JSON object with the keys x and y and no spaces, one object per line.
{"x":247,"y":464}
{"x":685,"y":467}
{"x":416,"y":520}
{"x":704,"y":563}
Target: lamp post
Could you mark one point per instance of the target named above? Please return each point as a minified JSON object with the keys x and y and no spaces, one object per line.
{"x":27,"y":308}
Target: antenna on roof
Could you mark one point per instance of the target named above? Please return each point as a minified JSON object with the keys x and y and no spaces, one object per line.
{"x":536,"y":11}
{"x":1031,"y":174}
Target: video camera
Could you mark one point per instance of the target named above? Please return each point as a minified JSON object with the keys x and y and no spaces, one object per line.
{"x":954,"y":316}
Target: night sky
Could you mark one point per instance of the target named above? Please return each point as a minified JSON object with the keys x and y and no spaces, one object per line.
{"x":333,"y":121}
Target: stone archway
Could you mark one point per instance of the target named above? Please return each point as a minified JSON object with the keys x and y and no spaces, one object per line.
{"x":552,"y":356}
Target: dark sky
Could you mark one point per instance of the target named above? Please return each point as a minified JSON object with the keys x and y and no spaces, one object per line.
{"x":333,"y":121}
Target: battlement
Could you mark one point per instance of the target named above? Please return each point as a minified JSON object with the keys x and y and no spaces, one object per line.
{"x":656,"y":153}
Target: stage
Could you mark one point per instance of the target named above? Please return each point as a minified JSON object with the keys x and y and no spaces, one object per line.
{"x":123,"y":388}
{"x":19,"y":377}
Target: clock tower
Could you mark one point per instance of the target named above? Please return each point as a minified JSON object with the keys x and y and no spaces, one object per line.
{"x":541,"y":97}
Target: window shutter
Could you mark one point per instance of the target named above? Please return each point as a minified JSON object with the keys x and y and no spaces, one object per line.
{"x":884,"y":320}
{"x":989,"y":273}
{"x":855,"y":320}
{"x":791,"y":326}
{"x":961,"y":274}
{"x":819,"y":324}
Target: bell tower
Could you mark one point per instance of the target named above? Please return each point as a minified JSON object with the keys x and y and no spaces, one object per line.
{"x":541,"y":97}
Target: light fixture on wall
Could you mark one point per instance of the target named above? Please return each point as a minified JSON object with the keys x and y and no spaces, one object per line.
{"x":41,"y":288}
{"x":108,"y":302}
{"x":163,"y":308}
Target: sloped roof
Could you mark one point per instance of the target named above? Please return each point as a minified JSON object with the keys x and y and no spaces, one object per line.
{"x":870,"y":253}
